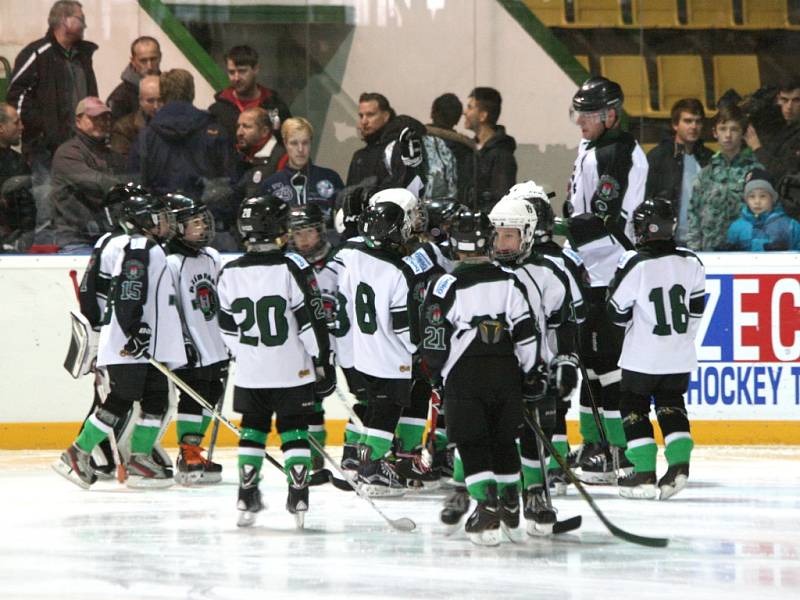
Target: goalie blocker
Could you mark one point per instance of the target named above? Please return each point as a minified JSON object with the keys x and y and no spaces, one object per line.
{"x":82,"y":350}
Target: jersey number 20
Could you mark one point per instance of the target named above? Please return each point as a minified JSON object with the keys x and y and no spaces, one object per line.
{"x":269,"y":313}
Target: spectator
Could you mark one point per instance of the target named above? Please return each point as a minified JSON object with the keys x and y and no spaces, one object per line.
{"x":762,"y":225}
{"x":17,"y":209}
{"x":126,"y":130}
{"x":244,"y":92}
{"x":84,"y":168}
{"x":496,"y":168}
{"x":300,"y":181}
{"x":182,"y":148}
{"x":717,"y":192}
{"x":145,"y":60}
{"x":374,"y":113}
{"x":445,"y":113}
{"x":780,"y":153}
{"x":259,"y":152}
{"x":11,"y":161}
{"x":677,"y":160}
{"x":50,"y":76}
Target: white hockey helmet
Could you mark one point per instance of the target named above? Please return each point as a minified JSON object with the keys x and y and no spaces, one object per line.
{"x":527,"y":190}
{"x":412,"y":207}
{"x":515,"y":212}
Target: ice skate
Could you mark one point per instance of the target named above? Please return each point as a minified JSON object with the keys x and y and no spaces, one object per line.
{"x":674,"y":480}
{"x":378,"y":478}
{"x":558,"y":481}
{"x":415,"y":471}
{"x":640,"y":485}
{"x":297,"y":499}
{"x":249,"y":503}
{"x":483,"y":525}
{"x":598,"y":470}
{"x":508,"y":512}
{"x":583,"y":452}
{"x":456,"y":506}
{"x":145,"y":473}
{"x":539,"y":515}
{"x":350,"y":464}
{"x":442,"y":462}
{"x":74,"y":466}
{"x":189,"y":464}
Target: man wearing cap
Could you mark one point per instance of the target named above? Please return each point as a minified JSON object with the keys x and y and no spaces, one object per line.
{"x":84,"y":168}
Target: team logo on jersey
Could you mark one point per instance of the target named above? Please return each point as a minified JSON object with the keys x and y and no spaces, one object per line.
{"x":257,"y":177}
{"x":434,"y":314}
{"x":324,"y":188}
{"x":607,"y":191}
{"x":284,"y":192}
{"x":133,"y":269}
{"x":205,"y":295}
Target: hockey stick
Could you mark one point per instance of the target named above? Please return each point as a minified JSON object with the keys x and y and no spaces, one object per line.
{"x":401,"y":524}
{"x":652,"y":542}
{"x":436,"y":402}
{"x":319,"y":480}
{"x":599,"y":423}
{"x":122,"y":472}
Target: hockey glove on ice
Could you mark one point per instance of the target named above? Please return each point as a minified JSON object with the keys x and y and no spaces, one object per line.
{"x":139,"y":342}
{"x":564,"y":374}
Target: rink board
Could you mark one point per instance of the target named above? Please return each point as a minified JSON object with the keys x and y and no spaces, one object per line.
{"x":746,"y":389}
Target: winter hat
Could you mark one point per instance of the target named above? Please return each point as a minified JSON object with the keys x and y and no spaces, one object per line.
{"x":759,"y":179}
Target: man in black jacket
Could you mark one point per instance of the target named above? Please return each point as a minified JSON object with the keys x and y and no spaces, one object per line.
{"x":50,"y":77}
{"x":145,"y":60}
{"x":445,"y":113}
{"x":17,"y":209}
{"x":676,"y":161}
{"x":241,"y":62}
{"x":780,"y":153}
{"x":496,"y":169}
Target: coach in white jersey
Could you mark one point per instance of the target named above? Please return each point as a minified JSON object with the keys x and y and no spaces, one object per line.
{"x":142,"y":321}
{"x":658,"y":296}
{"x":273,"y":320}
{"x":194,"y":267}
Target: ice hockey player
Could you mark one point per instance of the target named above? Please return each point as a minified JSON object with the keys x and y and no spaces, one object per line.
{"x":194,"y":267}
{"x":658,"y":296}
{"x":481,"y":343}
{"x":547,"y":291}
{"x":142,"y":322}
{"x":308,"y":238}
{"x":377,"y":288}
{"x":607,"y":184}
{"x":273,"y":321}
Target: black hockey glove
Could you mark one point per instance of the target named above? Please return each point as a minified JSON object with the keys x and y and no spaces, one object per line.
{"x":139,"y":342}
{"x":410,"y":145}
{"x":192,"y":357}
{"x":564,"y":374}
{"x":326,"y":376}
{"x":534,"y":385}
{"x":539,"y":404}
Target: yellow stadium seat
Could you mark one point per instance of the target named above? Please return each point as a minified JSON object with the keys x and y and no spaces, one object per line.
{"x":708,"y":14}
{"x":584,"y":60}
{"x":765,"y":14}
{"x":680,"y":76}
{"x":598,"y":13}
{"x":549,"y":12}
{"x":737,"y":71}
{"x":630,"y":71}
{"x":655,"y":13}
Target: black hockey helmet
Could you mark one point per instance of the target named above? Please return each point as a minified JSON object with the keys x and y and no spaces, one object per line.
{"x":545,"y":220}
{"x":472,"y":232}
{"x":381,"y":225}
{"x":187,"y":211}
{"x":115,"y":196}
{"x":146,"y":213}
{"x":263,"y":219}
{"x":440,"y":213}
{"x":308,"y":216}
{"x":653,"y":220}
{"x":596,"y":94}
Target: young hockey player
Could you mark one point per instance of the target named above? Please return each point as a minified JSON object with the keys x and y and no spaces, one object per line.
{"x":273,"y":321}
{"x":658,"y":296}
{"x":377,"y":288}
{"x":479,"y":340}
{"x":547,"y":291}
{"x":194,"y":267}
{"x":142,"y":320}
{"x":607,"y":184}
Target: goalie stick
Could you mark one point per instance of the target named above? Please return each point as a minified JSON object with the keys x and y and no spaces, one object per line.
{"x":633,"y":538}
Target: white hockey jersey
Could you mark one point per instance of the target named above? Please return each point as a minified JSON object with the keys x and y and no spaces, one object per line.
{"x":658,"y":294}
{"x":377,"y":288}
{"x":343,"y":330}
{"x":195,"y":279}
{"x":141,"y":292}
{"x":457,"y":304}
{"x":96,"y":281}
{"x":608,"y":180}
{"x":272,"y":319}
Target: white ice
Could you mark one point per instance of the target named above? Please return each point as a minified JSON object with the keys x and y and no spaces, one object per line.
{"x":734,"y":533}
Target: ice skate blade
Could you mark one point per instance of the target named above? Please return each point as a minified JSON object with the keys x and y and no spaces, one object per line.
{"x":209,"y":478}
{"x":187,"y":479}
{"x":609,"y":478}
{"x":668,"y":491}
{"x":640,"y":492}
{"x":246,"y":518}
{"x":103,"y":476}
{"x":513,"y":534}
{"x":488,"y":537}
{"x":423,"y":486}
{"x":535,"y":529}
{"x":136,"y":482}
{"x":558,"y":489}
{"x":381,"y":491}
{"x":67,"y":473}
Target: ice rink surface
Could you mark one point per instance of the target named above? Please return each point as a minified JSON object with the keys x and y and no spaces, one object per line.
{"x":734,"y":533}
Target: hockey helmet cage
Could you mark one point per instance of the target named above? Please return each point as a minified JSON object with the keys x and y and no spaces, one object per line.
{"x":146,"y":213}
{"x":515,"y":213}
{"x":192,"y":218}
{"x":308,"y":216}
{"x":472,"y":232}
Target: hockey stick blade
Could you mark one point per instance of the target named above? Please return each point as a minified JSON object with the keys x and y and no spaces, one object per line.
{"x":566,"y":525}
{"x":401,"y":524}
{"x":633,"y":538}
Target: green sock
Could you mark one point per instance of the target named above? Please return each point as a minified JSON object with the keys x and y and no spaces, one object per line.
{"x":92,"y":434}
{"x":144,"y":436}
{"x":507,"y":481}
{"x":319,"y":434}
{"x":562,"y":447}
{"x":614,"y":431}
{"x":409,"y":431}
{"x":184,"y":427}
{"x":588,"y":427}
{"x":440,"y":440}
{"x":458,"y":469}
{"x":204,"y":425}
{"x":295,"y":456}
{"x":642,"y":453}
{"x":351,"y":435}
{"x":478,"y":484}
{"x":531,"y":473}
{"x":250,"y":455}
{"x":679,"y":448}
{"x":379,"y":442}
